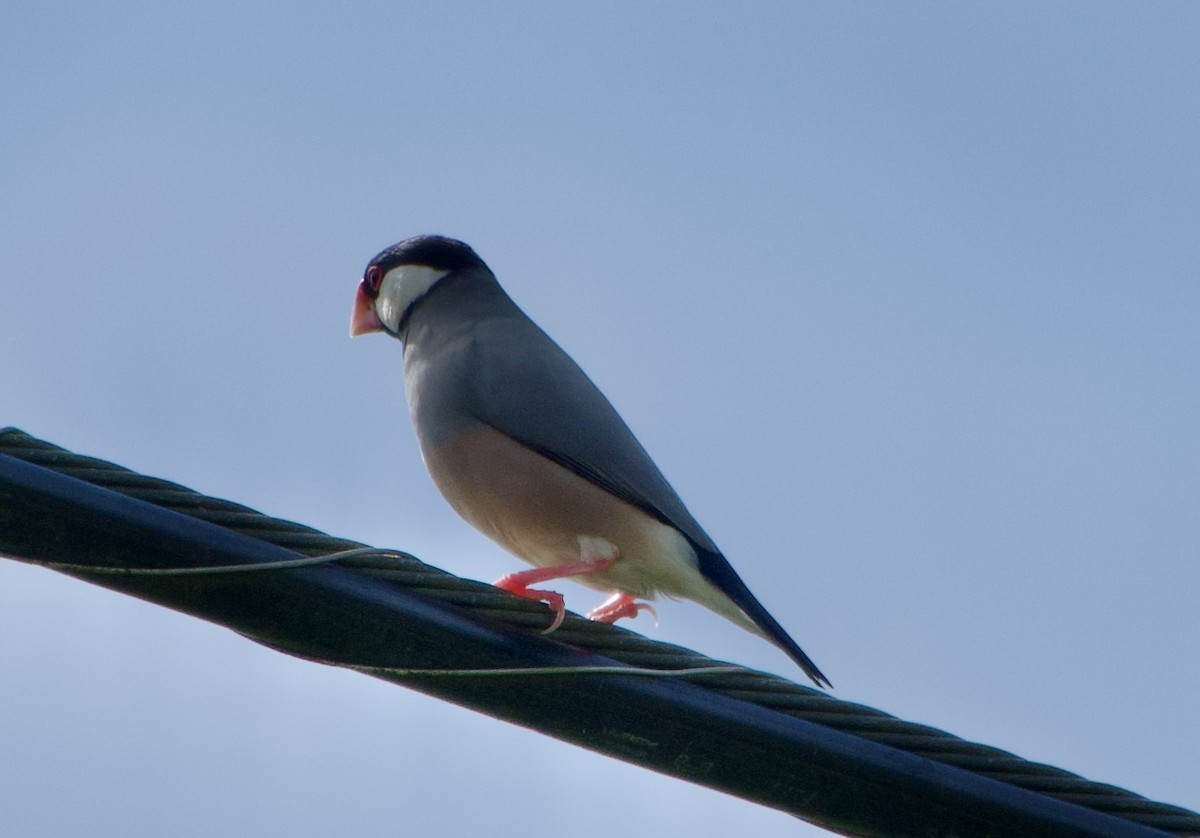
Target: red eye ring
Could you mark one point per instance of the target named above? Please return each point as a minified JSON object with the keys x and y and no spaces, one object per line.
{"x":372,"y":279}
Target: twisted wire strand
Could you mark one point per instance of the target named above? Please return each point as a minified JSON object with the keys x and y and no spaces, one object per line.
{"x":769,"y":691}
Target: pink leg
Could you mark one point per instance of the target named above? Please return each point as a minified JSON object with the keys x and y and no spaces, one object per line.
{"x":620,"y":605}
{"x":518,"y":583}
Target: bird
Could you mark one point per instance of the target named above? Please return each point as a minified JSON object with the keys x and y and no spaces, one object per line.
{"x":527,"y":449}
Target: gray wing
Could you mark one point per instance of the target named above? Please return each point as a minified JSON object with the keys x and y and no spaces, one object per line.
{"x":524,"y":385}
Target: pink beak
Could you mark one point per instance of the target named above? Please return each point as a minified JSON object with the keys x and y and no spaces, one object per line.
{"x":364,"y":319}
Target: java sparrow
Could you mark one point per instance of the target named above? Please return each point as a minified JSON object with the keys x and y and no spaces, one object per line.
{"x":526,"y":448}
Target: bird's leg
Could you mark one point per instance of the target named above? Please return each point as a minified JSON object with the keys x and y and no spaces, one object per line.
{"x":620,"y":605}
{"x":518,"y":583}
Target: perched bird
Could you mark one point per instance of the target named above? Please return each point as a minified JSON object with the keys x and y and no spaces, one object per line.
{"x":527,"y":449}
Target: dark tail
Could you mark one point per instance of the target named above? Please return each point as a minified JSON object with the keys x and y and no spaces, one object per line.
{"x":718,"y":571}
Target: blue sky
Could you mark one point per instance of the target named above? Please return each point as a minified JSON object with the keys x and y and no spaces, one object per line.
{"x":902,"y":299}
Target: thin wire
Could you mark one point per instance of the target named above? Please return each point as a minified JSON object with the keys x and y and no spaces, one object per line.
{"x":376,"y":552}
{"x":283,"y":564}
{"x":691,"y":672}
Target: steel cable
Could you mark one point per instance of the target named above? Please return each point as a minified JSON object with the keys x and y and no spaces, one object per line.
{"x":768,"y":691}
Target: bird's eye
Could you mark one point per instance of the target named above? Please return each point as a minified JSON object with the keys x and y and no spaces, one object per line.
{"x":371,"y":280}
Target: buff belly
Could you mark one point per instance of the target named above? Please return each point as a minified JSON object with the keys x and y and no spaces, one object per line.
{"x":546,"y":515}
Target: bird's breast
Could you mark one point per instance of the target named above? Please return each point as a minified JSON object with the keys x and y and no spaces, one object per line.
{"x":546,"y":514}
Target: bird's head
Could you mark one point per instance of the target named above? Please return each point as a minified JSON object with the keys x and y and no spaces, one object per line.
{"x":400,"y":276}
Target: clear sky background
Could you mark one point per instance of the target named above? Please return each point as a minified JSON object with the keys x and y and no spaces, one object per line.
{"x":904,"y":300}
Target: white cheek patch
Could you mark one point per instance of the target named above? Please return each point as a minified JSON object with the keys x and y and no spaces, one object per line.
{"x":401,"y":287}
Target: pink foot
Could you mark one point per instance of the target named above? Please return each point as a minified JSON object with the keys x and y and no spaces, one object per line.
{"x":518,"y":583}
{"x":554,"y":599}
{"x":620,"y":605}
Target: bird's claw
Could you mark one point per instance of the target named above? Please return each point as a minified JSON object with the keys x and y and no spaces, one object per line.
{"x":555,"y":601}
{"x":515,"y":583}
{"x":620,"y":605}
{"x":518,"y":583}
